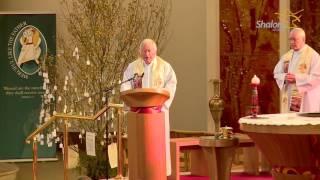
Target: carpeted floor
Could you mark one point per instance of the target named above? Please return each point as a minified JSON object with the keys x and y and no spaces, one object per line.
{"x":234,"y":176}
{"x":54,"y":171}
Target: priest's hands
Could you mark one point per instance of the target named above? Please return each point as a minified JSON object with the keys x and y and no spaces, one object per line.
{"x":290,"y":78}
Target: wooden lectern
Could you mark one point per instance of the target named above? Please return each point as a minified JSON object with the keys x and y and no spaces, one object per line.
{"x":146,"y":133}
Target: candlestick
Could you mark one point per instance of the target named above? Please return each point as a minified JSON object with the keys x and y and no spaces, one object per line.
{"x":255,"y":81}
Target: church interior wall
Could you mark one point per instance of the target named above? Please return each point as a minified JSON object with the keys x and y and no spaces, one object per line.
{"x":190,"y":52}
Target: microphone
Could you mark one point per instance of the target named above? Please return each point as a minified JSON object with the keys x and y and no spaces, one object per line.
{"x":135,"y":75}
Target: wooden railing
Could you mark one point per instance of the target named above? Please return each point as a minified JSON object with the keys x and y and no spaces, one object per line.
{"x":66,"y":118}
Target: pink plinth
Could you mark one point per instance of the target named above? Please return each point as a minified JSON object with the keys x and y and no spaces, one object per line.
{"x":146,"y":145}
{"x":146,"y":133}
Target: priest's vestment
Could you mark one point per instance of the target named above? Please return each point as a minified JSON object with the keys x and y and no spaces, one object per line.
{"x":305,"y":65}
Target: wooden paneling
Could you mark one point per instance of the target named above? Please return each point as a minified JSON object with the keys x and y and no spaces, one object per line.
{"x":310,"y":18}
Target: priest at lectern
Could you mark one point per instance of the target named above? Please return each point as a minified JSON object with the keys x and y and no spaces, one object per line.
{"x":151,"y":71}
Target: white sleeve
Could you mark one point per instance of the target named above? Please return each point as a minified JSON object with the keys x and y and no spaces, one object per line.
{"x":126,"y":75}
{"x":170,"y":85}
{"x":279,"y":74}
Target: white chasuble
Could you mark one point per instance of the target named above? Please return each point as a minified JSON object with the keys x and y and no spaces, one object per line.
{"x":303,"y":95}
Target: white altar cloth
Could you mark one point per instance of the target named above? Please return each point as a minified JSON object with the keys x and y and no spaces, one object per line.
{"x":285,"y":119}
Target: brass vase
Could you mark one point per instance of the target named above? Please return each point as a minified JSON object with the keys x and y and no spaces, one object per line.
{"x":216,"y":105}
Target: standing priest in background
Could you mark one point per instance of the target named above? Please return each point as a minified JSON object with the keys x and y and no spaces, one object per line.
{"x":157,"y":73}
{"x":298,"y":75}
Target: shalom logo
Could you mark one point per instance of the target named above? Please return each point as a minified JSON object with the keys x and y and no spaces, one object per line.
{"x":27,"y":50}
{"x":274,"y":26}
{"x":294,"y":18}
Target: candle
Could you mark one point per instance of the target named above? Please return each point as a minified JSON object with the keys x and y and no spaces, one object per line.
{"x":255,"y":80}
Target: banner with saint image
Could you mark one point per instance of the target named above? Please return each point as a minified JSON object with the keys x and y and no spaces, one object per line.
{"x":26,"y":42}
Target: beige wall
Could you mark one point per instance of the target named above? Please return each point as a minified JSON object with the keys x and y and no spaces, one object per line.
{"x":186,"y":51}
{"x":193,"y":51}
{"x":37,"y":6}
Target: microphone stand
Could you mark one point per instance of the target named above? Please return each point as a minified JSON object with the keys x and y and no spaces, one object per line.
{"x":119,"y":133}
{"x":120,"y":115}
{"x":108,"y":89}
{"x":122,"y":82}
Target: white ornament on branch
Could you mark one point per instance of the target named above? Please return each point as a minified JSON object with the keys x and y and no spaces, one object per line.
{"x":70,"y":74}
{"x":86,"y":94}
{"x":88,"y":63}
{"x":54,"y":133}
{"x":76,"y":50}
{"x":49,"y":144}
{"x":42,"y":113}
{"x":49,"y":137}
{"x":46,"y":119}
{"x":45,"y":75}
{"x":57,"y":140}
{"x":38,"y":137}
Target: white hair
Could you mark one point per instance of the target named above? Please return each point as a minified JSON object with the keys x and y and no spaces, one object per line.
{"x":148,"y":41}
{"x":300,"y":31}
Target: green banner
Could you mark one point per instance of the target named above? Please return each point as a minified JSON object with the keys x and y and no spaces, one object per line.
{"x":26,"y":40}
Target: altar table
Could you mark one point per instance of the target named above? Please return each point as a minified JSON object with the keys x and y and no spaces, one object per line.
{"x":290,"y":142}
